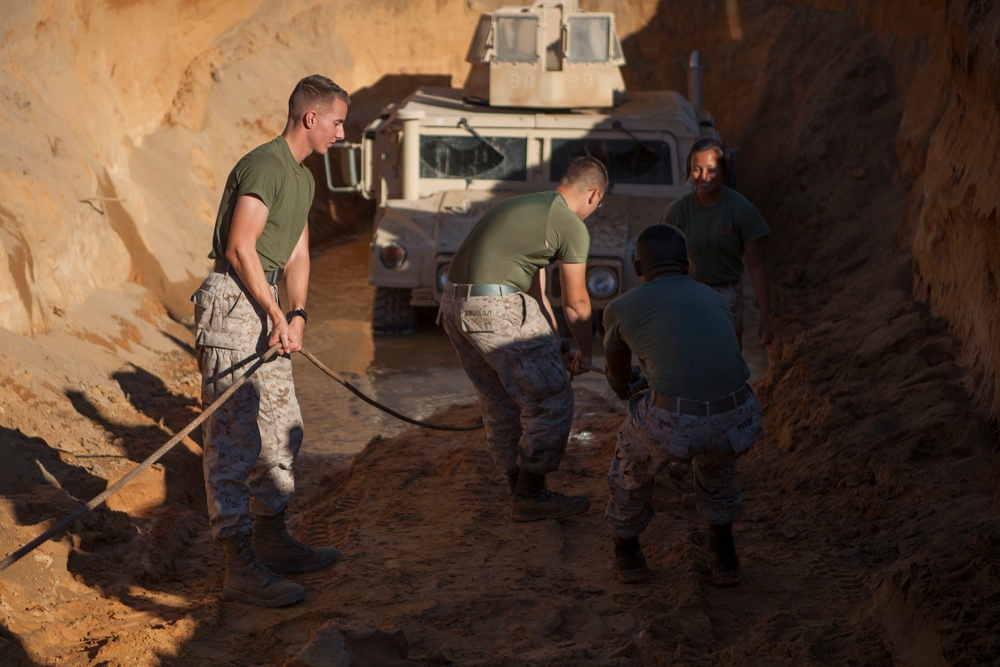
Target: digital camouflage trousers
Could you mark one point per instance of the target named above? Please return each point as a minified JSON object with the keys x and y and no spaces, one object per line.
{"x":651,"y":437}
{"x":252,"y":439}
{"x":510,"y":354}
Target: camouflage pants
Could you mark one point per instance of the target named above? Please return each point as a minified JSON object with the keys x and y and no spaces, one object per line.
{"x":252,"y":439}
{"x":512,"y":358}
{"x":651,"y":437}
{"x":734,"y":295}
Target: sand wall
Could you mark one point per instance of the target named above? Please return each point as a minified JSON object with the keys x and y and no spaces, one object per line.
{"x":946,"y":60}
{"x":119,"y":121}
{"x":926,"y":73}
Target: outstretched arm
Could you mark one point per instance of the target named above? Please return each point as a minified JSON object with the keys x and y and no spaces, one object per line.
{"x":576,"y":308}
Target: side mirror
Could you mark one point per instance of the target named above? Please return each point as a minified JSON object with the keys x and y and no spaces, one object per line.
{"x":342,"y":165}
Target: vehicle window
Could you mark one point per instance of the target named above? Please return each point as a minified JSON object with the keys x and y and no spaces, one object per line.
{"x":589,"y":39}
{"x":627,"y":160}
{"x":516,"y":39}
{"x":496,"y":158}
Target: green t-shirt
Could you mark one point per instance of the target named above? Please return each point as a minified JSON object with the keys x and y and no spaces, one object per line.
{"x":716,"y":234}
{"x":682,"y":332}
{"x":518,"y":236}
{"x":286,"y":188}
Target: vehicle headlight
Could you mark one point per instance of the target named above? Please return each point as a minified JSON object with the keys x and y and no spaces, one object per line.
{"x":442,"y":276}
{"x":392,"y":255}
{"x":602,"y":282}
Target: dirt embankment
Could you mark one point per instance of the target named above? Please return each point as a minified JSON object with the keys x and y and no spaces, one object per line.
{"x":871,"y":532}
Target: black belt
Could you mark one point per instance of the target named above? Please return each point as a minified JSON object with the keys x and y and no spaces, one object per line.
{"x":222,"y":266}
{"x":462,"y":291}
{"x":687,"y":406}
{"x":730,"y":283}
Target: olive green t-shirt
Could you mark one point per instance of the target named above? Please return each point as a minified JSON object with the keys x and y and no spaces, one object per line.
{"x":518,"y":236}
{"x":286,"y":187}
{"x":716,"y":234}
{"x":683,"y":335}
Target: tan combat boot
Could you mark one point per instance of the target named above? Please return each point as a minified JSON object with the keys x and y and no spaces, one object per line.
{"x":531,"y":501}
{"x":249,"y":581}
{"x":280,"y":552}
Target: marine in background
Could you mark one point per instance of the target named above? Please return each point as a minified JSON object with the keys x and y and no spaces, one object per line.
{"x":722,"y":226}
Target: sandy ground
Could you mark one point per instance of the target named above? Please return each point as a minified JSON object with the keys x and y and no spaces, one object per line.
{"x":871,"y":534}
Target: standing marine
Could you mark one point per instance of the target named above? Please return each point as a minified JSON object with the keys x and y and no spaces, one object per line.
{"x":251,"y":441}
{"x":722,"y":226}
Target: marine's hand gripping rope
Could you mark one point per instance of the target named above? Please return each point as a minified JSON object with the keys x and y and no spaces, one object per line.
{"x":155,"y":456}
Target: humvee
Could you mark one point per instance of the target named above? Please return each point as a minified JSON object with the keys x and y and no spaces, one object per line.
{"x":544,"y":88}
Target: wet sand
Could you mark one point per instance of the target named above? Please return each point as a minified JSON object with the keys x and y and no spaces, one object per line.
{"x":415,"y":375}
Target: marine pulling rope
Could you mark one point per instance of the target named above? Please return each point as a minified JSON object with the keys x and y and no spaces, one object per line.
{"x":155,"y":456}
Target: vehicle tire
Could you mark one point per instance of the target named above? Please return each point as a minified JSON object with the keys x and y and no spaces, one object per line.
{"x":392,"y":313}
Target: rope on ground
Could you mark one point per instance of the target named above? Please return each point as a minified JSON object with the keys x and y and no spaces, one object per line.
{"x":155,"y":456}
{"x":114,"y":488}
{"x":357,"y":392}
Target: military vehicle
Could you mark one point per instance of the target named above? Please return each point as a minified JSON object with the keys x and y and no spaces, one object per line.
{"x":544,"y":88}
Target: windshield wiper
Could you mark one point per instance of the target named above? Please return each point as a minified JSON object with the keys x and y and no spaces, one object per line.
{"x":618,"y":126}
{"x":464,"y":124}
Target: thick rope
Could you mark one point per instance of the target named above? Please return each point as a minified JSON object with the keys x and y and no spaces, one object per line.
{"x":114,"y":488}
{"x":357,"y":392}
{"x":158,"y":454}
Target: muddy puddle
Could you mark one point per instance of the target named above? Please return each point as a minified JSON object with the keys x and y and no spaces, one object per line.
{"x":416,"y":375}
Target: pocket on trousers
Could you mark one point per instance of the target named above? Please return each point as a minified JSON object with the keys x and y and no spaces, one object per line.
{"x":539,"y":373}
{"x":480,"y":320}
{"x":748,"y":431}
{"x":212,"y":326}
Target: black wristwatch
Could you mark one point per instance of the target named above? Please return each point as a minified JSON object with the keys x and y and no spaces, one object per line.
{"x":300,"y":312}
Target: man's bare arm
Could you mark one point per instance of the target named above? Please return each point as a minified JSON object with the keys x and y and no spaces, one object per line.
{"x":296,"y":275}
{"x":576,"y":308}
{"x":758,"y":275}
{"x":249,"y":219}
{"x":537,"y":290}
{"x":619,"y":369}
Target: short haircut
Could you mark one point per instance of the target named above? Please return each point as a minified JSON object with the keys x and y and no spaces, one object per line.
{"x":586,"y":172}
{"x":661,"y":246}
{"x":707,"y":144}
{"x":312,"y":92}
